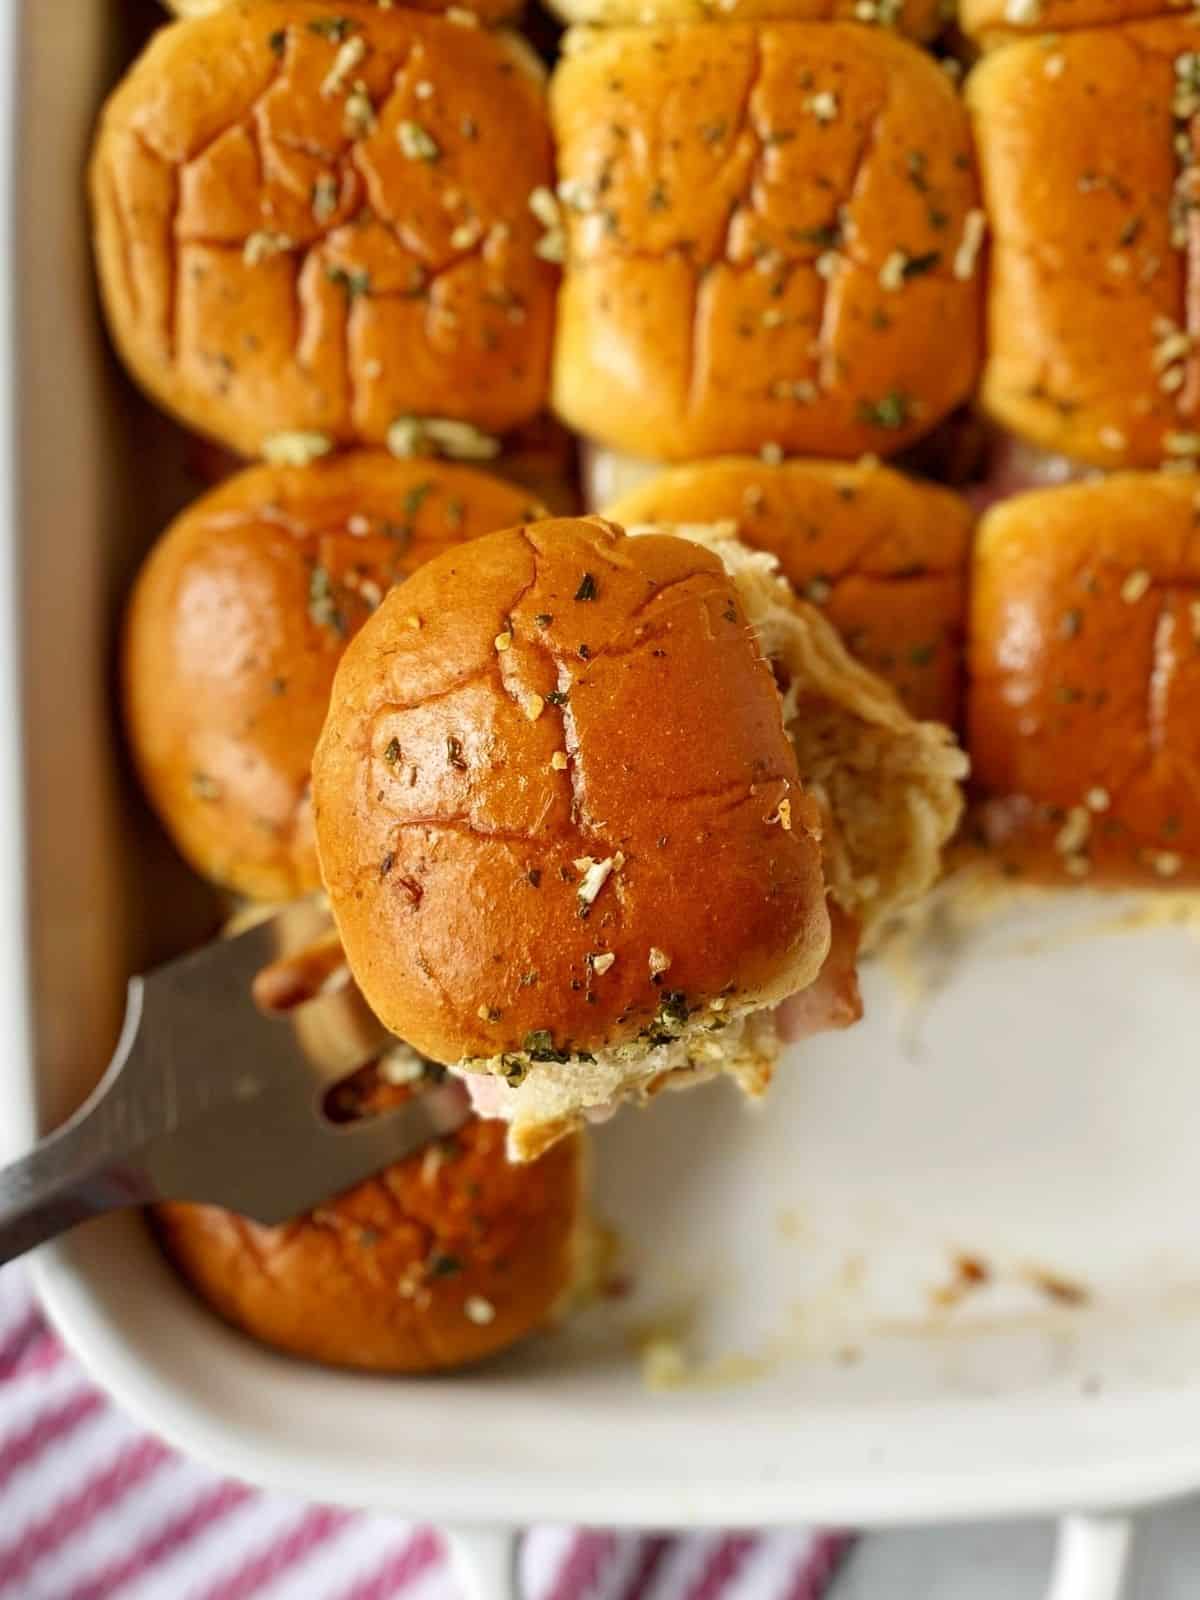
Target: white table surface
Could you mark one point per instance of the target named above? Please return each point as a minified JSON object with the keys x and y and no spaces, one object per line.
{"x":1012,"y":1561}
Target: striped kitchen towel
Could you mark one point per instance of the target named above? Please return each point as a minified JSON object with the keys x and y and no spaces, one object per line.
{"x":92,"y":1508}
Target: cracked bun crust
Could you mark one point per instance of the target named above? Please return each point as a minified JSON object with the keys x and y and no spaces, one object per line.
{"x":236,"y":625}
{"x":552,"y":757}
{"x":1084,"y":701}
{"x":772,"y":235}
{"x":313,"y":224}
{"x":441,"y":1260}
{"x":1087,"y":158}
{"x":881,"y":555}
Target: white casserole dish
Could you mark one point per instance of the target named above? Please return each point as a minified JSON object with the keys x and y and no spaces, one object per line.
{"x":1043,"y":1109}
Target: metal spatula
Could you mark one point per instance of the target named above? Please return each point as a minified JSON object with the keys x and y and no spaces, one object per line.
{"x":211,"y":1097}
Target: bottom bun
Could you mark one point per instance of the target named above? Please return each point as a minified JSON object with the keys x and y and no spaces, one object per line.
{"x":681,"y":1051}
{"x":441,"y":1260}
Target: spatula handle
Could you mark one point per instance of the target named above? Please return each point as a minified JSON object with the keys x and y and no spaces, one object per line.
{"x":61,"y":1182}
{"x":86,"y":1167}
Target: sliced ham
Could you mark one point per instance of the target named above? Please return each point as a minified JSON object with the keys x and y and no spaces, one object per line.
{"x":833,"y":1001}
{"x":1013,"y":466}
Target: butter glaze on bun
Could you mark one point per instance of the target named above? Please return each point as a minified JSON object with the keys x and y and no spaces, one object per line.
{"x":312,"y":225}
{"x":1084,"y":157}
{"x":1084,"y":700}
{"x":235,"y":628}
{"x":441,"y":1260}
{"x":772,"y":235}
{"x":881,"y":555}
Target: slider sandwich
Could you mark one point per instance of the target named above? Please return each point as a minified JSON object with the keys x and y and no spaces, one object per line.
{"x":1084,"y":658}
{"x":1087,"y":155}
{"x":319,"y":227}
{"x":234,"y":630}
{"x":589,"y":807}
{"x":439,"y":1261}
{"x":772,"y":236}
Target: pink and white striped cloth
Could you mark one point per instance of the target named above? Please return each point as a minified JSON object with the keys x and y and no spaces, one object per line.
{"x":91,"y":1508}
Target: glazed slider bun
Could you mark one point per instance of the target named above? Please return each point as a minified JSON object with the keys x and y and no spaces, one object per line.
{"x":236,"y":624}
{"x":1084,"y":699}
{"x":560,"y":822}
{"x":314,"y":226}
{"x":441,"y":1260}
{"x":881,"y":555}
{"x":1086,"y":152}
{"x":630,"y":930}
{"x":772,"y":234}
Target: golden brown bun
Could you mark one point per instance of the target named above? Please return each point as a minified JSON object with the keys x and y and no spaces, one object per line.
{"x":917,"y":19}
{"x":441,"y":1260}
{"x":706,"y":172}
{"x":457,"y":808}
{"x":282,"y":251}
{"x":486,"y":10}
{"x":1088,"y":347}
{"x":235,"y":627}
{"x":1084,"y":702}
{"x":882,"y":556}
{"x":994,"y":22}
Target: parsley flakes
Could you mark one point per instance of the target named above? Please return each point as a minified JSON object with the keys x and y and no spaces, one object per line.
{"x":892,"y":410}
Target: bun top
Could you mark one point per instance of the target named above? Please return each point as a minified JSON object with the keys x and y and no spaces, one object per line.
{"x":236,"y":625}
{"x":883,"y":556}
{"x":773,"y":234}
{"x":443,"y":1259}
{"x":554,"y":760}
{"x":1084,"y":704}
{"x":1086,"y":152}
{"x":319,"y":223}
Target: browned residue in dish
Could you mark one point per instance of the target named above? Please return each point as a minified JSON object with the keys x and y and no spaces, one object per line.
{"x":971,"y":1272}
{"x":1063,"y":1291}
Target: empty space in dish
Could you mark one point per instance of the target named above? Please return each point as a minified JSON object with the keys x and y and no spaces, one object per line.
{"x":804,"y":1269}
